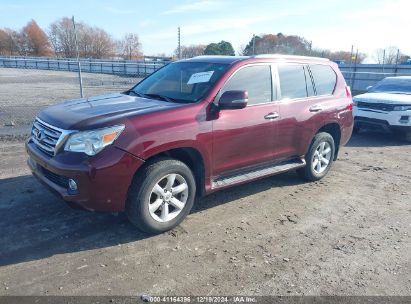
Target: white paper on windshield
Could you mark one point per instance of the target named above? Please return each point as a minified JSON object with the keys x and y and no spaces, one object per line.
{"x":200,"y":77}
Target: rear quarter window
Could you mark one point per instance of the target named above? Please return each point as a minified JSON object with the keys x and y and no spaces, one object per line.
{"x":324,"y":78}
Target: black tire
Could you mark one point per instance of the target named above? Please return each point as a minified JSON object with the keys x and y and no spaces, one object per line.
{"x":140,"y":193}
{"x":308,"y":171}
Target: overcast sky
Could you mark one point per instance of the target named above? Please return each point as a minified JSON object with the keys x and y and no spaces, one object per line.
{"x":331,"y":24}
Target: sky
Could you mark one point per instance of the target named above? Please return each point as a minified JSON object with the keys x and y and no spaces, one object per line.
{"x":329,"y":24}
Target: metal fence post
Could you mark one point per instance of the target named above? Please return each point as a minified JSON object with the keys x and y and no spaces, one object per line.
{"x":78,"y":59}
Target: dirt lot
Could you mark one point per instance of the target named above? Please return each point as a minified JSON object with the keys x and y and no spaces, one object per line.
{"x":348,"y":234}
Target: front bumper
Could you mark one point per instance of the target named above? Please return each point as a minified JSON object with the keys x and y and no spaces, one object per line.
{"x":393,"y":120}
{"x":103,"y":180}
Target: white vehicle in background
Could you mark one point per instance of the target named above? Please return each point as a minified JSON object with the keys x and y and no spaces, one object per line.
{"x":386,"y":105}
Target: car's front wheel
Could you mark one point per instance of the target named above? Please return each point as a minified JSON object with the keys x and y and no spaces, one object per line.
{"x":319,"y":158}
{"x":161,"y":195}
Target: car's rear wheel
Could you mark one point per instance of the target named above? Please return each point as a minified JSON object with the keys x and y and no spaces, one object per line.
{"x":319,"y":158}
{"x":161,"y":195}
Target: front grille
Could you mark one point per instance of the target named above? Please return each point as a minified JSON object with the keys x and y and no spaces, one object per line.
{"x":376,"y":106}
{"x":59,"y":180}
{"x":45,"y":136}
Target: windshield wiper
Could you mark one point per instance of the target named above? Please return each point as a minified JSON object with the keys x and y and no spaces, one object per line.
{"x":161,"y":97}
{"x":134,"y":93}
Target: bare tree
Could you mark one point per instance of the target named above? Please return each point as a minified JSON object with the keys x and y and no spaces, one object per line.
{"x":7,"y":46}
{"x":387,"y":55}
{"x":191,"y":50}
{"x":94,"y":42}
{"x":61,"y":36}
{"x":130,"y":47}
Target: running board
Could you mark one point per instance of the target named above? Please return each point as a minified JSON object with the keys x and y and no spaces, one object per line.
{"x":255,"y":173}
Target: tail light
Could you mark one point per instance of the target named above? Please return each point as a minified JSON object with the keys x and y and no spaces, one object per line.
{"x":348,"y":91}
{"x":348,"y":94}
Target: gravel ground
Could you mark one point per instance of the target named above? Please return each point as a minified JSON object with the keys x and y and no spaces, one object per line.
{"x":348,"y":234}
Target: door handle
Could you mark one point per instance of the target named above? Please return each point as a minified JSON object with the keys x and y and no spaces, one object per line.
{"x":273,"y":115}
{"x":315,"y":108}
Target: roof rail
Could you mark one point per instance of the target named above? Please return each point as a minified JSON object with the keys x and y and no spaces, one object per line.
{"x":281,"y":56}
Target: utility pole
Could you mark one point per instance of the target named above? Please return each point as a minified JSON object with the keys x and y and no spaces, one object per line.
{"x":78,"y":58}
{"x":253,"y":44}
{"x":352,"y":50}
{"x":397,"y":57}
{"x":396,"y":62}
{"x":179,"y":43}
{"x":355,"y":71}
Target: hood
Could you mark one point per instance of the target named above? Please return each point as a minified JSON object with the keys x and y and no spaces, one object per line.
{"x":91,"y":112}
{"x":388,"y":98}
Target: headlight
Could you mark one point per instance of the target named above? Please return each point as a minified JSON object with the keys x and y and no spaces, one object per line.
{"x":92,"y":142}
{"x":355,"y":102}
{"x":402,"y":108}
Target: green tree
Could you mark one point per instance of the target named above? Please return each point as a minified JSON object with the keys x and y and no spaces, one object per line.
{"x":220,"y":48}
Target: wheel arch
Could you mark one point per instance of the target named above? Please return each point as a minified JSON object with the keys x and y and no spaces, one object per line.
{"x":189,"y":156}
{"x":334,"y":130}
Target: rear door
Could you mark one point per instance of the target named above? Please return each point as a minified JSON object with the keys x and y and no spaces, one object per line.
{"x":245,"y":137}
{"x":300,"y":109}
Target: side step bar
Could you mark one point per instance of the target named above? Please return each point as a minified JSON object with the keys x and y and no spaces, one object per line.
{"x":255,"y":173}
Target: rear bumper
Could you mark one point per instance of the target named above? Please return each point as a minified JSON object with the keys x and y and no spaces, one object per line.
{"x":103,"y":180}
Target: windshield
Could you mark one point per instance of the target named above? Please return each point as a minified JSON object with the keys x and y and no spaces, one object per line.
{"x":181,"y":81}
{"x":393,"y":85}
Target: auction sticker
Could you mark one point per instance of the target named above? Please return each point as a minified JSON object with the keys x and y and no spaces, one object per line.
{"x":200,"y":77}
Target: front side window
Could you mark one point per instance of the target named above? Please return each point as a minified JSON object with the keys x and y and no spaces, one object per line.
{"x":292,"y":81}
{"x":256,"y":80}
{"x":185,"y":82}
{"x":324,"y":78}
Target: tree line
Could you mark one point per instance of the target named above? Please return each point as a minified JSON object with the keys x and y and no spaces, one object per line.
{"x":94,"y":42}
{"x":59,"y":41}
{"x":290,"y":45}
{"x":270,"y":44}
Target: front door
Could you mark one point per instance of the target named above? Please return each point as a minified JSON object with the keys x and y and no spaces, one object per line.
{"x":246,"y":137}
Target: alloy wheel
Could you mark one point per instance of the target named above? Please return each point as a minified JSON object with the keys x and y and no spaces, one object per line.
{"x":321,"y":157}
{"x":168,"y":197}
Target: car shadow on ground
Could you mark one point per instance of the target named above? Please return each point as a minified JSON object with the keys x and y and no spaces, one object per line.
{"x":376,"y":138}
{"x":36,"y":224}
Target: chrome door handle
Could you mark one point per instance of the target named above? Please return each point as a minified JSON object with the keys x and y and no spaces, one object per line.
{"x":315,"y":108}
{"x":273,"y":115}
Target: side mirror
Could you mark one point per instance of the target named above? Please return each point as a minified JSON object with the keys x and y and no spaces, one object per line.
{"x":368,"y":88}
{"x":232,"y":100}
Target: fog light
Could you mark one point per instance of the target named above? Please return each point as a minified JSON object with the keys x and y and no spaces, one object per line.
{"x":72,"y":184}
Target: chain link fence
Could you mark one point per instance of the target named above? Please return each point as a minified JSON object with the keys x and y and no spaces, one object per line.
{"x":24,"y":92}
{"x":361,"y":76}
{"x":139,"y":68}
{"x":27,"y":85}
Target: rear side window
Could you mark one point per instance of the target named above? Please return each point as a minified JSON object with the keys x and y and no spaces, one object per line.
{"x":324,"y":78}
{"x":292,"y":81}
{"x":256,"y":80}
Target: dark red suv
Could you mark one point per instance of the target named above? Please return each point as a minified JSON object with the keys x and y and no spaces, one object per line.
{"x":191,"y":128}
